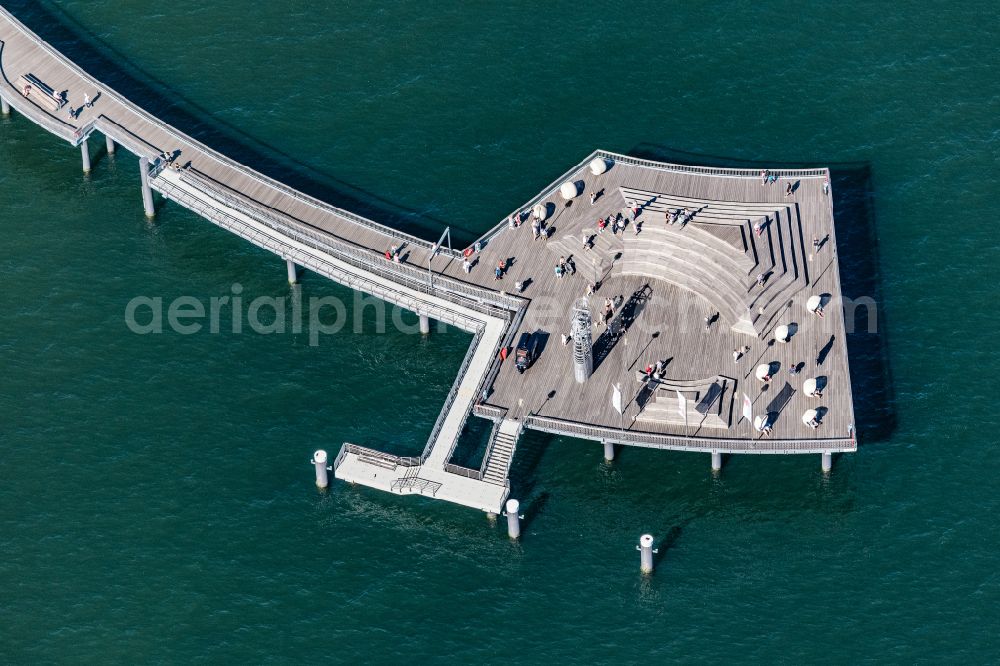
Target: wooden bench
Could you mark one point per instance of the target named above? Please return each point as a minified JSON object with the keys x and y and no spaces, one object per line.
{"x":41,"y":92}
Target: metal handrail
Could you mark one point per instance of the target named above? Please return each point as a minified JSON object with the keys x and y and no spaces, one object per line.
{"x":704,"y":170}
{"x":491,"y":412}
{"x":463,"y":471}
{"x":450,"y":399}
{"x":371,"y":259}
{"x":663,"y":441}
{"x":340,"y":455}
{"x":551,"y":188}
{"x":402,"y":461}
{"x":488,"y":377}
{"x":148,"y":117}
{"x":219,"y":216}
{"x":415,"y":482}
{"x":489,"y":448}
{"x":507,"y":340}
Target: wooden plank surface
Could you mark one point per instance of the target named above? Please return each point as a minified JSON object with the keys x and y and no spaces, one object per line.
{"x":673,"y":314}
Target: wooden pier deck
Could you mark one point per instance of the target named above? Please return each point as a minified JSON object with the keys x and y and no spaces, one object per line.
{"x":673,"y":275}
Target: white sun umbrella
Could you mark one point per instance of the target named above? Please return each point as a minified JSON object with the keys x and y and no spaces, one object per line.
{"x":760,"y":422}
{"x":809,"y":416}
{"x":814,"y":303}
{"x":541,"y":211}
{"x":598,"y":165}
{"x":569,"y":190}
{"x":762,"y":371}
{"x":781,"y":333}
{"x":809,"y":386}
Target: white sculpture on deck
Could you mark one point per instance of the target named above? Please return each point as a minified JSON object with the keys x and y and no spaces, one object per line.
{"x":583,"y":346}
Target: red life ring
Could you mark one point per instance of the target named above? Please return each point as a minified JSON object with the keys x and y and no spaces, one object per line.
{"x":468,"y":252}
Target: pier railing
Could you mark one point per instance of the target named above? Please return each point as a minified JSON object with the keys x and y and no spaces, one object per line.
{"x":463,"y":471}
{"x":489,"y":448}
{"x":490,"y":302}
{"x":212,"y":211}
{"x":415,"y":483}
{"x":487,"y":384}
{"x":705,"y":170}
{"x":250,"y":173}
{"x":487,"y":380}
{"x":450,"y":400}
{"x":553,"y":187}
{"x":679,"y":442}
{"x":491,"y":412}
{"x":375,"y":454}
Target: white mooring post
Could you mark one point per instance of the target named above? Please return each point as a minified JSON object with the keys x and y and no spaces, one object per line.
{"x":110,"y":143}
{"x":147,"y":194}
{"x":293,"y":273}
{"x":609,"y":451}
{"x":319,"y":462}
{"x":646,"y":551}
{"x":513,"y":520}
{"x":716,"y":461}
{"x":85,"y":153}
{"x":827,"y":462}
{"x":425,"y":325}
{"x":4,"y":107}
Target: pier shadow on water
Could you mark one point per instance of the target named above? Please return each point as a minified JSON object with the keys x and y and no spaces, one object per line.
{"x":110,"y":66}
{"x":860,"y":278}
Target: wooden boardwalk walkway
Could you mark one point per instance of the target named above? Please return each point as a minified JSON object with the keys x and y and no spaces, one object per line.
{"x":683,"y":272}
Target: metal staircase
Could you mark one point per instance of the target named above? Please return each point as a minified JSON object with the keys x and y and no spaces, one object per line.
{"x":500,"y":452}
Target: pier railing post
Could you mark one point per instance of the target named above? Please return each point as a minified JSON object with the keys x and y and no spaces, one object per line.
{"x":319,"y":462}
{"x":147,"y":193}
{"x":85,"y":153}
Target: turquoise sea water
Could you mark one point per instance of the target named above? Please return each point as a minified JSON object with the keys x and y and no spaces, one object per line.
{"x":156,"y":502}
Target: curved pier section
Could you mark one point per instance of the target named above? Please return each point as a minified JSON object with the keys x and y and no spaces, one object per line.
{"x":630,"y":302}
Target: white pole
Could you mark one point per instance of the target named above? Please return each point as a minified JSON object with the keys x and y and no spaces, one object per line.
{"x":716,"y":461}
{"x":645,"y":549}
{"x":147,"y":194}
{"x":827,"y":462}
{"x":513,"y":520}
{"x":110,"y":143}
{"x":85,"y":153}
{"x":425,"y":325}
{"x":293,"y":274}
{"x":4,"y":107}
{"x":319,"y":462}
{"x":609,"y":451}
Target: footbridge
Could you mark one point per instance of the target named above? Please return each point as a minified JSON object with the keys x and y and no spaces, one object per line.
{"x":749,"y":256}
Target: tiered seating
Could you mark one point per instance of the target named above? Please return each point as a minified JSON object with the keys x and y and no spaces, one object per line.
{"x":705,"y":257}
{"x":708,"y":402}
{"x":675,"y":258}
{"x":702,"y":211}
